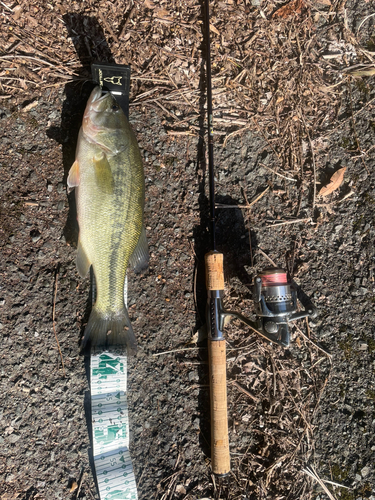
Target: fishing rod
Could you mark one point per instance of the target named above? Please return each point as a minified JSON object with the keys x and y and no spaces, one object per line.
{"x":220,"y":459}
{"x":275,"y":298}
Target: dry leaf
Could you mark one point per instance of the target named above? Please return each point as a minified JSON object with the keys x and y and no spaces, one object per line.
{"x":73,"y":487}
{"x":325,"y":2}
{"x":334,"y":183}
{"x":293,"y":7}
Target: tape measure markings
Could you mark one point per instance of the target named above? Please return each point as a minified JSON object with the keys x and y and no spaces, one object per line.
{"x":110,"y":426}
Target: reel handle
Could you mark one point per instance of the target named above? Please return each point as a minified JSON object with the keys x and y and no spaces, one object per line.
{"x":220,"y":458}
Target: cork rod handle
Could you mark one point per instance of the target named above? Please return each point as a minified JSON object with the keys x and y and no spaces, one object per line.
{"x":214,"y":271}
{"x":220,"y":459}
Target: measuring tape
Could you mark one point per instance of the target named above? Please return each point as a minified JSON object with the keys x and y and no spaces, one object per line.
{"x":108,"y":368}
{"x":110,"y":426}
{"x":110,"y":422}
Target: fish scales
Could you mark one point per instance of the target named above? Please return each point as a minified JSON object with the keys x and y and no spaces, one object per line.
{"x":108,"y":219}
{"x":109,"y":180}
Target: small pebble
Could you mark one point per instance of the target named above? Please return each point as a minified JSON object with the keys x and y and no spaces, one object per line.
{"x":365,"y":471}
{"x":35,"y":235}
{"x":193,"y":376}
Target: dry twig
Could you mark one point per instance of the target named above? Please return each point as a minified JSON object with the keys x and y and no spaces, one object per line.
{"x":277,"y":173}
{"x":313,"y":474}
{"x":286,"y":222}
{"x":266,"y":256}
{"x":245,"y":391}
{"x":313,"y":343}
{"x":248,"y":205}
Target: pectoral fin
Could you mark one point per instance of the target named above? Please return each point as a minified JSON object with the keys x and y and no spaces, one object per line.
{"x":103,"y":173}
{"x":83,"y":263}
{"x":73,"y":177}
{"x":140,"y":257}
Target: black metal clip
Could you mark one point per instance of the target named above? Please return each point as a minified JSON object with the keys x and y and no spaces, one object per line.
{"x":114,"y":78}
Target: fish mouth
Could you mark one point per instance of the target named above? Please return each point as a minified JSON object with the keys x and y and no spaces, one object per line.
{"x":94,"y":106}
{"x":95,"y":102}
{"x":95,"y":94}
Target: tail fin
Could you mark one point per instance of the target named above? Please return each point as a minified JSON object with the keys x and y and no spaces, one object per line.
{"x":110,"y":330}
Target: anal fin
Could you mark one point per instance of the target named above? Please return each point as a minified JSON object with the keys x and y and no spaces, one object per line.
{"x":83,"y":263}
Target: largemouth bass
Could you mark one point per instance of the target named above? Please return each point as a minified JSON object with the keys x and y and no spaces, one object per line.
{"x":109,"y":181}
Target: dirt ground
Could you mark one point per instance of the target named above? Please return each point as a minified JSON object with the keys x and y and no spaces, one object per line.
{"x":293,"y":104}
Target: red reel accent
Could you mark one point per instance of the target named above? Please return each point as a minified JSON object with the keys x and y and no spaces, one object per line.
{"x":274,"y":279}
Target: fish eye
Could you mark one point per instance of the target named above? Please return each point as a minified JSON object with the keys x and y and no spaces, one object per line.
{"x":115,"y":106}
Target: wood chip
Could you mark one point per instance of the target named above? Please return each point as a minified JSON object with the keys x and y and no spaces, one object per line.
{"x":30,"y":106}
{"x":215,"y":30}
{"x":17,"y":12}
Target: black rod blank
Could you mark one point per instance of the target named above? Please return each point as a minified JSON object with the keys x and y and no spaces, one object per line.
{"x":210,"y":127}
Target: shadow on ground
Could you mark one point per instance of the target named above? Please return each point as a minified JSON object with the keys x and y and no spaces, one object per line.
{"x":89,"y":41}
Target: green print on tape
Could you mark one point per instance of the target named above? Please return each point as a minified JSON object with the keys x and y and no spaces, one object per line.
{"x":108,"y":366}
{"x":110,"y":395}
{"x":120,"y":495}
{"x":110,"y":433}
{"x":109,"y":379}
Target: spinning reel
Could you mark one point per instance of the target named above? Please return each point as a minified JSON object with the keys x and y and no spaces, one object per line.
{"x":276,"y":305}
{"x":275,"y":301}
